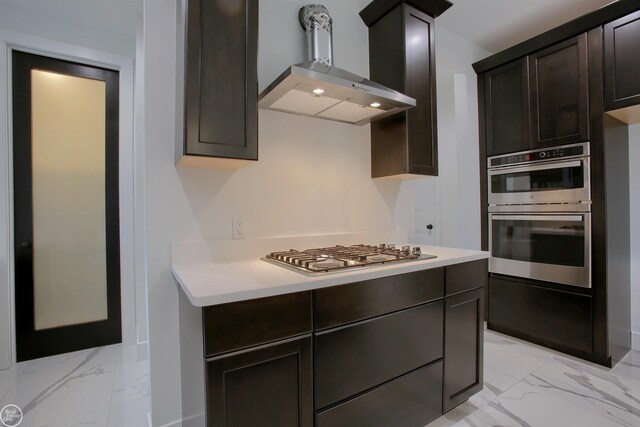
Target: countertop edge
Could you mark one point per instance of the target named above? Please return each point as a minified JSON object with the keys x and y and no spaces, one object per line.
{"x":310,"y":283}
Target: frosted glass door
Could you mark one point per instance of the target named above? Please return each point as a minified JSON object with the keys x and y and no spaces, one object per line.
{"x":66,"y":205}
{"x":68,"y":167}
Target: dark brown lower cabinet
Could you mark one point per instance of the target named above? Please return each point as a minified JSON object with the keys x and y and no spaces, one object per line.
{"x":269,"y":386}
{"x":413,"y":400}
{"x":463,"y":347}
{"x":355,"y":358}
{"x":542,"y":315}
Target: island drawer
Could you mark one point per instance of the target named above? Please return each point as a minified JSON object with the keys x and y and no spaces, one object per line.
{"x":412,"y":400}
{"x":339,"y":305}
{"x":243,"y":324}
{"x":466,"y":276}
{"x":355,"y":358}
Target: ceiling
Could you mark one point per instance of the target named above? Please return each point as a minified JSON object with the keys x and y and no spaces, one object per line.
{"x":498,"y":24}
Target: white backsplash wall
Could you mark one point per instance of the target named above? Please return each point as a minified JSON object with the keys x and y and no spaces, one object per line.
{"x":313,"y":176}
{"x":634,"y":189}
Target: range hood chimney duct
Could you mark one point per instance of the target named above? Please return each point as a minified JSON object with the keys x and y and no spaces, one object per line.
{"x":317,"y":88}
{"x":318,"y":25}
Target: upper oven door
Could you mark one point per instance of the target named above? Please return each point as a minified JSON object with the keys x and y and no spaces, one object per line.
{"x":549,"y":247}
{"x":564,"y":181}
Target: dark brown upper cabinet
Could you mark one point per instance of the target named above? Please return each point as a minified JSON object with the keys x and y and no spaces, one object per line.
{"x":622,"y":62}
{"x":560,"y":93}
{"x":507,"y":108}
{"x":402,"y":57}
{"x":221,"y":84}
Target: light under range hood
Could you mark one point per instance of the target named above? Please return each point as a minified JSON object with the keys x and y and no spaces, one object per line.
{"x":318,"y":89}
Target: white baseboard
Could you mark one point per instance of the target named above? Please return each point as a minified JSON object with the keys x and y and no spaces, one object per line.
{"x":635,"y":341}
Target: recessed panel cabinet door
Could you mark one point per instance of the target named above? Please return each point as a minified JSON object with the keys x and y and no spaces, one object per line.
{"x":507,"y":108}
{"x":268,"y":386}
{"x":559,"y":93}
{"x":463,"y":347}
{"x":221,"y":98}
{"x":622,"y":62}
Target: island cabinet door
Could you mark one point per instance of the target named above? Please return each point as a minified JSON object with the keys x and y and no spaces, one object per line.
{"x":269,"y":386}
{"x":463,"y":346}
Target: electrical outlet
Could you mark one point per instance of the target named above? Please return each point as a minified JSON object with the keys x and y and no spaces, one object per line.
{"x":237,"y":228}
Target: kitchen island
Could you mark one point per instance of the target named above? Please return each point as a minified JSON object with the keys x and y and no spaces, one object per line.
{"x":392,"y":345}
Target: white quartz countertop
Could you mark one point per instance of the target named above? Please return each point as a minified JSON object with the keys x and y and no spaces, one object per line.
{"x":221,"y":281}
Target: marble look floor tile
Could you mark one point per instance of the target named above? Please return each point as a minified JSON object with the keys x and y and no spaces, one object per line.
{"x":129,"y":414}
{"x":524,"y":405}
{"x":513,"y":358}
{"x":7,"y":378}
{"x":63,"y":387}
{"x":495,"y":384}
{"x":131,"y":382}
{"x":596,"y":389}
{"x":93,"y":419}
{"x":629,"y":366}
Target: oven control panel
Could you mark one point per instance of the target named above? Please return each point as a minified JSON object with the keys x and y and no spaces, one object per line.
{"x":577,"y":150}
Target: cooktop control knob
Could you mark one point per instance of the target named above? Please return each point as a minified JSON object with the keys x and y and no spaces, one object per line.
{"x":417,"y":251}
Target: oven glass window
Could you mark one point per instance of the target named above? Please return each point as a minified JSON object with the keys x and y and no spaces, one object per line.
{"x":546,"y":242}
{"x":567,"y":178}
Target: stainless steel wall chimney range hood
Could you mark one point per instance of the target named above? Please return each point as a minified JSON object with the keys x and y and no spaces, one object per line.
{"x":318,"y":89}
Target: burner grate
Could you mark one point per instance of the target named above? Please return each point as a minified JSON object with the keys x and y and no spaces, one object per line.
{"x":324,"y":260}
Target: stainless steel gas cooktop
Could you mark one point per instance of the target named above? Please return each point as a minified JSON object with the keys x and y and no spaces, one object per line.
{"x":336,"y":258}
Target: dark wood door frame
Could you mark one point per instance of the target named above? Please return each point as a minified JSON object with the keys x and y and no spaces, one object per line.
{"x":32,"y":344}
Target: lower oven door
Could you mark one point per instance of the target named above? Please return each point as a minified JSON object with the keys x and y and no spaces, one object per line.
{"x":549,"y":247}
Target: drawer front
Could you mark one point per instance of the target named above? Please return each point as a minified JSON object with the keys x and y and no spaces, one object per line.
{"x":355,"y":358}
{"x":238,"y":325}
{"x":546,"y":315}
{"x":410,"y":401}
{"x":467,"y":276}
{"x":344,"y":304}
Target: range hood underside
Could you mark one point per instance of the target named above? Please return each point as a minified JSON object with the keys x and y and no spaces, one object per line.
{"x":345,"y":97}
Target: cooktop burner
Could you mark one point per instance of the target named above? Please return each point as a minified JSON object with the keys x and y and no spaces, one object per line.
{"x":326,"y":260}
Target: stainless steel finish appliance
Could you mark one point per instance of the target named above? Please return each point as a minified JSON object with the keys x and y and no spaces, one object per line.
{"x":337,"y":258}
{"x":549,"y":247}
{"x":561,"y":175}
{"x":540,"y":215}
{"x":318,"y":89}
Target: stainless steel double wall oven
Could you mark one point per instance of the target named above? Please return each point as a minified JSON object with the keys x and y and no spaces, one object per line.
{"x":540,"y":215}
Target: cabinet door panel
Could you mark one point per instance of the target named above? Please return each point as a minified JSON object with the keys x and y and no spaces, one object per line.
{"x":221,"y":109}
{"x":420,"y":85}
{"x":463,"y":347}
{"x":622,"y":62}
{"x":559,"y":93}
{"x":507,"y":108}
{"x":269,"y":386}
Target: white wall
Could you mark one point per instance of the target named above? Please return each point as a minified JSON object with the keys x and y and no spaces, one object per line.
{"x":634,"y":189}
{"x":109,"y":26}
{"x":313,"y":176}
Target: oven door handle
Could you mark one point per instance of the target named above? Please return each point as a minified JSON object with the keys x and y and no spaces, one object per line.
{"x":546,"y":166}
{"x":569,"y":218}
